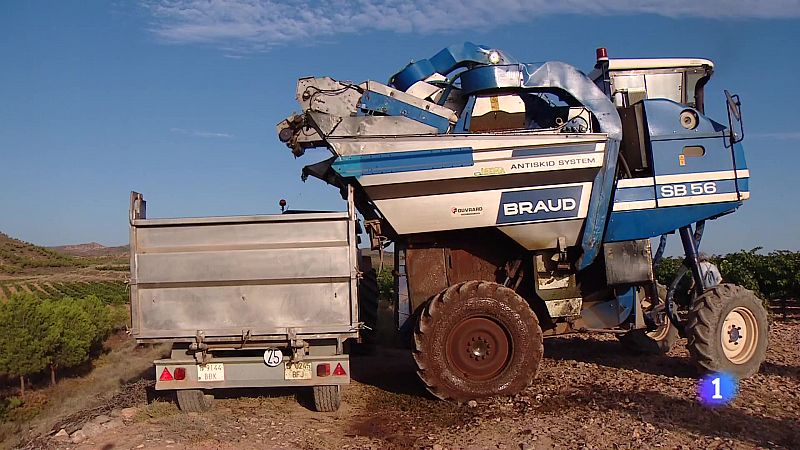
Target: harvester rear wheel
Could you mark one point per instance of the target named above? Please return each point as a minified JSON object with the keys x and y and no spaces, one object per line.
{"x":477,"y":339}
{"x":727,"y":331}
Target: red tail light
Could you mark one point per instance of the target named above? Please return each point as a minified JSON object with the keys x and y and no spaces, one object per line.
{"x":179,"y":373}
{"x":323,"y":370}
{"x":339,"y":371}
{"x":165,"y":375}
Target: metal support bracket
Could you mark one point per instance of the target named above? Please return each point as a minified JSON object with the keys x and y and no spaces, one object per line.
{"x":200,"y":348}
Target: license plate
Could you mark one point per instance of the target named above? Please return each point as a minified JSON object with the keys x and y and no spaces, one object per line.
{"x":211,"y":372}
{"x":297,"y":371}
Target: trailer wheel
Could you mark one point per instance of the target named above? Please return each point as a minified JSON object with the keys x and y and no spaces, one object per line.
{"x":658,"y":341}
{"x":194,"y":400}
{"x":477,"y":339}
{"x":727,"y":331}
{"x":327,"y":398}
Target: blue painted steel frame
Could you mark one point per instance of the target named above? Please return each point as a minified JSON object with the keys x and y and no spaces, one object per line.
{"x":375,"y":102}
{"x":647,"y":223}
{"x":392,"y":162}
{"x":444,"y":62}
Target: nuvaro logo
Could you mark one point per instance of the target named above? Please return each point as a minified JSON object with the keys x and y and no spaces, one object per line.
{"x":534,"y":205}
{"x":456,"y":211}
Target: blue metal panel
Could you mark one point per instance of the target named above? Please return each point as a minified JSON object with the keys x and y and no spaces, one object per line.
{"x":634,"y":194}
{"x":484,"y":78}
{"x":599,"y":206}
{"x":375,"y":163}
{"x":412,"y":73}
{"x":647,"y":223}
{"x":445,"y":62}
{"x":664,"y":122}
{"x":375,"y":102}
{"x":462,"y":126}
{"x":626,"y":300}
{"x":667,"y":156}
{"x":744,"y":184}
{"x":738,"y":153}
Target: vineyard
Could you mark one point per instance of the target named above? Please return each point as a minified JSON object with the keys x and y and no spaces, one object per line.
{"x":71,"y":271}
{"x":110,"y":292}
{"x":774,"y":276}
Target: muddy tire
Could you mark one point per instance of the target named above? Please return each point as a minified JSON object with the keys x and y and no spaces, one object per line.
{"x":727,"y":331}
{"x":655,"y":342}
{"x":194,"y":400}
{"x":477,"y":339}
{"x":327,"y":398}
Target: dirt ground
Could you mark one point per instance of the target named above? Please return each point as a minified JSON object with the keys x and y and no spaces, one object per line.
{"x":589,"y":394}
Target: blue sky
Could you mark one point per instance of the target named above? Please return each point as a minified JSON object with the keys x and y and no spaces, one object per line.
{"x":179,"y":99}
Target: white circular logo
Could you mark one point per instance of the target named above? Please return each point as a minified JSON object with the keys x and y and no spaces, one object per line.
{"x":273,"y":357}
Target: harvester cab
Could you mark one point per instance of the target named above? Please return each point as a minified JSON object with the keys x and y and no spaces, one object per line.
{"x":521,"y":199}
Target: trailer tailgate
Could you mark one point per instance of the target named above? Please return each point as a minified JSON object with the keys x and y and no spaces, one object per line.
{"x":245,"y":277}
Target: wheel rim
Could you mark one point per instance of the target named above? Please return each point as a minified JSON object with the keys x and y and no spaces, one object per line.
{"x":739,"y":335}
{"x":660,"y":333}
{"x":479,"y":347}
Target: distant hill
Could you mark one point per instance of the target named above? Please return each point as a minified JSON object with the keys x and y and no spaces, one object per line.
{"x":22,"y":259}
{"x":91,"y":249}
{"x":90,"y":269}
{"x":17,"y":256}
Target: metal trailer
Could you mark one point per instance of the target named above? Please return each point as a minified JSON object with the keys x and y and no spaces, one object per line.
{"x":246,"y":301}
{"x":521,"y":199}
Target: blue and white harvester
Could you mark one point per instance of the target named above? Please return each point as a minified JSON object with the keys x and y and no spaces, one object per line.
{"x":521,"y":199}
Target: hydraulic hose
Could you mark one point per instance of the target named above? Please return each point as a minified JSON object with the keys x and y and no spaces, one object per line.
{"x":682,"y":270}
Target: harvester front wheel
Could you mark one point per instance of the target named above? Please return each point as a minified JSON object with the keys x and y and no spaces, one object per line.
{"x":477,"y":339}
{"x":727,"y":331}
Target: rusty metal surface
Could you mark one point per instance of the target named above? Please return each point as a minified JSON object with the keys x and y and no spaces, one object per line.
{"x":427,"y":274}
{"x":628,"y":262}
{"x":567,"y":307}
{"x":435,"y":261}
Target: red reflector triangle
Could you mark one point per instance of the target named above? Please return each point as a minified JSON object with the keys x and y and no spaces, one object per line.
{"x":165,"y":375}
{"x":339,"y":370}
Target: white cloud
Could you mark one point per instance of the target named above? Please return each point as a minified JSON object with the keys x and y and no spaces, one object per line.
{"x":201,"y":134}
{"x":258,"y":25}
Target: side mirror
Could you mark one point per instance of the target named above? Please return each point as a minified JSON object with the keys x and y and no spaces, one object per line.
{"x":734,"y":105}
{"x":736,"y":128}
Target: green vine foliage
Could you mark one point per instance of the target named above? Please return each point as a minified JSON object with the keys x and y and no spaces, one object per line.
{"x":772,"y":276}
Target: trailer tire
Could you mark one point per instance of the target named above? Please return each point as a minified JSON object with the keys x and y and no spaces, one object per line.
{"x":327,"y":398}
{"x":194,"y":400}
{"x":727,"y":331}
{"x":477,"y":339}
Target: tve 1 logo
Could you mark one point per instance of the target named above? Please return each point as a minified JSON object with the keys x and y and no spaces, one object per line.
{"x":539,"y":204}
